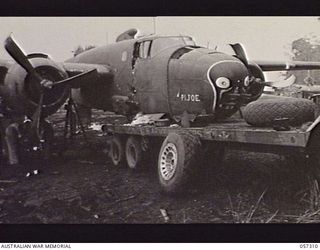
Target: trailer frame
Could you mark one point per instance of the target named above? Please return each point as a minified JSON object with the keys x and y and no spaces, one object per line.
{"x":218,"y":137}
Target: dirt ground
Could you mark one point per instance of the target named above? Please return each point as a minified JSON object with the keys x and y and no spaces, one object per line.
{"x":80,"y":185}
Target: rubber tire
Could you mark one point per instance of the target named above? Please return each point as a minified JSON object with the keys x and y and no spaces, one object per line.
{"x":263,"y":113}
{"x":134,"y":153}
{"x":188,"y":152}
{"x":117,"y":154}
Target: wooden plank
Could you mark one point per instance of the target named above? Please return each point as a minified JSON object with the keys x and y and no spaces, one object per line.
{"x":225,"y":132}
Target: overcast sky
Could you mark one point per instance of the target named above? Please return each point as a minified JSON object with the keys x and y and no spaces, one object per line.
{"x":264,"y":37}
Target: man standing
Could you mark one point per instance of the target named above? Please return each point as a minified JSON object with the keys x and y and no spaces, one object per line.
{"x":10,"y":132}
{"x":16,"y":136}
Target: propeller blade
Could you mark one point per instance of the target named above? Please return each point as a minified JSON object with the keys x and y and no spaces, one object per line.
{"x":19,"y":56}
{"x":240,"y":52}
{"x":75,"y":81}
{"x":282,"y":83}
{"x":35,"y":126}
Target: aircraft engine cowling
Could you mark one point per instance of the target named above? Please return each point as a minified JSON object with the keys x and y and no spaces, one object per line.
{"x":22,"y":92}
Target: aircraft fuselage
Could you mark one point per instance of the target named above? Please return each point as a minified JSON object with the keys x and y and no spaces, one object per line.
{"x":166,"y":74}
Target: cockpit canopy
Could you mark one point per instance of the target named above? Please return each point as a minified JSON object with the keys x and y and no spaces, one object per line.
{"x":153,"y":45}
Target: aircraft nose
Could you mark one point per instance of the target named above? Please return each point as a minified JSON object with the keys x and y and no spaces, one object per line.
{"x":226,"y":74}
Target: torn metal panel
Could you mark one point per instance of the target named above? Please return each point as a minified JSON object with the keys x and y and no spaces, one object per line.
{"x":148,"y":119}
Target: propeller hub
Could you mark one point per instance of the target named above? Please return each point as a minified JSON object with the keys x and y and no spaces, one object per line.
{"x":46,"y":84}
{"x":52,"y":94}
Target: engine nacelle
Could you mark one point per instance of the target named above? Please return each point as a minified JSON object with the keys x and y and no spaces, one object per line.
{"x":242,"y":94}
{"x":22,"y":91}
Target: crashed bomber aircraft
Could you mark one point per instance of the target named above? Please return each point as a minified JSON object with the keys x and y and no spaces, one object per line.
{"x":159,"y":75}
{"x":151,"y":74}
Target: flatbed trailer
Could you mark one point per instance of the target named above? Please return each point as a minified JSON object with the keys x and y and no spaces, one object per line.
{"x":179,"y":149}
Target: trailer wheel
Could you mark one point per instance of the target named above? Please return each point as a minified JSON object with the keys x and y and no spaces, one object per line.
{"x":116,"y":153}
{"x":134,"y":154}
{"x":265,"y":112}
{"x":177,"y":160}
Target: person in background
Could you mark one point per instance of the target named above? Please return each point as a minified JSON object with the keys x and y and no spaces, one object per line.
{"x":15,"y":131}
{"x":10,"y":128}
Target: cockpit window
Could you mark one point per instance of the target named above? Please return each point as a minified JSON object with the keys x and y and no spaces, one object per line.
{"x":144,"y":49}
{"x":225,"y":48}
{"x":188,"y":40}
{"x":162,"y":43}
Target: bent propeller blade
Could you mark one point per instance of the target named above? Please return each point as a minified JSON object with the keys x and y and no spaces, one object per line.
{"x":240,"y":52}
{"x":75,"y":81}
{"x":19,"y":56}
{"x":35,"y":126}
{"x":281,"y":84}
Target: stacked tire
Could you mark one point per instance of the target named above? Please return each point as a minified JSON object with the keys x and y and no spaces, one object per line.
{"x":267,"y":112}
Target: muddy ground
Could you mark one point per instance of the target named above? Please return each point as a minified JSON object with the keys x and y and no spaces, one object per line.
{"x":80,"y":185}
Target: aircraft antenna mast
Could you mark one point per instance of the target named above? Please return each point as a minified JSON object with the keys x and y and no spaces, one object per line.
{"x":154,"y":25}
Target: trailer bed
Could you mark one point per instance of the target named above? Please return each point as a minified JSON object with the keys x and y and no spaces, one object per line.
{"x":230,"y":131}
